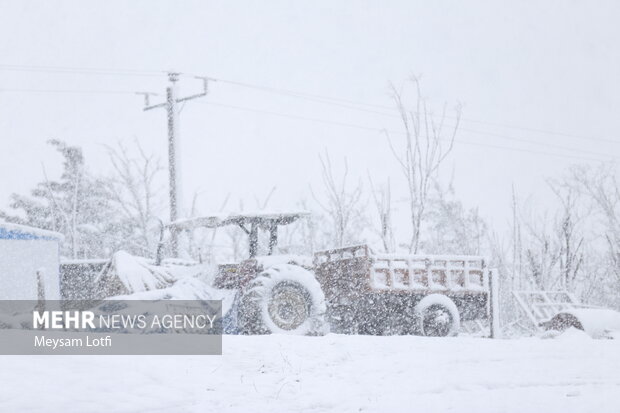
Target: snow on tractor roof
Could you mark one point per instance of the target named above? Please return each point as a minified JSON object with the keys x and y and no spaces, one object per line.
{"x":264,"y":219}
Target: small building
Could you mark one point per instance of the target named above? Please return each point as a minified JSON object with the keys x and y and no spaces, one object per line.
{"x":29,"y":263}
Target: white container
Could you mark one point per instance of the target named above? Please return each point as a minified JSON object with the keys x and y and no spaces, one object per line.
{"x":24,"y":252}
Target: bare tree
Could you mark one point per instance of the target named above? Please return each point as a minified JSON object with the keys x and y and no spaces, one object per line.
{"x":569,"y":236}
{"x":261,"y":205}
{"x":342,"y":204}
{"x":136,"y":195}
{"x":382,"y":197}
{"x":548,"y":247}
{"x":237,"y":239}
{"x":541,"y":255}
{"x":517,"y":249}
{"x":428,"y":141}
{"x":202,"y":241}
{"x":603,"y":187}
{"x":301,"y":236}
{"x":452,"y":229}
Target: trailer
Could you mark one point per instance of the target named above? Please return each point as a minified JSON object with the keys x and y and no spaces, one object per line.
{"x":402,"y":294}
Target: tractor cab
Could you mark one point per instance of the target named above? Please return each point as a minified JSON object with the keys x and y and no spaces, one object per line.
{"x":238,"y":274}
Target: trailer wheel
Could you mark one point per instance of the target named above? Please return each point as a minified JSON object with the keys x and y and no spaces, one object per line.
{"x":437,"y":316}
{"x":283,"y":299}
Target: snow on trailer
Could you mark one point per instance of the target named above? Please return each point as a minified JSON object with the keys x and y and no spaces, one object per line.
{"x":29,"y":263}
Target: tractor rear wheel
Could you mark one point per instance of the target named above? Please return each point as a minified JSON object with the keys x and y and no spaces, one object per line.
{"x":283,"y":299}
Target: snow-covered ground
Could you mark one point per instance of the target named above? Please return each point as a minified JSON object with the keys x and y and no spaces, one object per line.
{"x":279,"y":373}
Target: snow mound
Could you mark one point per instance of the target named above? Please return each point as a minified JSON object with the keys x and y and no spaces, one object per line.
{"x":183,"y":289}
{"x":573,"y":334}
{"x":136,"y":275}
{"x":597,"y":322}
{"x":136,"y":278}
{"x":128,"y":274}
{"x":189,"y":288}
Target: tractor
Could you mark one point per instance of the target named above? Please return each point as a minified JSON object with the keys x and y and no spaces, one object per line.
{"x":350,"y":290}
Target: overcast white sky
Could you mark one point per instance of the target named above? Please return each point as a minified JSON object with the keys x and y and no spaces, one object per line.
{"x":550,"y":65}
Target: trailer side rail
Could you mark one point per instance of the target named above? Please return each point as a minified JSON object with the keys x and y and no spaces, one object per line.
{"x":404,"y":272}
{"x":441,"y":273}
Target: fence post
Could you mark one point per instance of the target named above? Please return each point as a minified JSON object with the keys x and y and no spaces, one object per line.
{"x":494,"y":303}
{"x":40,"y":307}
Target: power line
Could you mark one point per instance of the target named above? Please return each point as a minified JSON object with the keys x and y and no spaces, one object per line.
{"x":543,"y":131}
{"x":337,"y":123}
{"x":70,"y":91}
{"x":304,"y":95}
{"x":532,"y":142}
{"x":80,"y":70}
{"x":380,"y":130}
{"x":331,"y":100}
{"x":318,"y":98}
{"x":501,"y":136}
{"x":347,"y":103}
{"x":298,"y":117}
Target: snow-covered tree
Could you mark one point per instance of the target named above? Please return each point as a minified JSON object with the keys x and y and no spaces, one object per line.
{"x":602,"y":187}
{"x":98,"y":215}
{"x":450,"y":228}
{"x":77,"y":205}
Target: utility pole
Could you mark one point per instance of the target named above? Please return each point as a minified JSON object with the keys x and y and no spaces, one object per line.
{"x":174,"y":166}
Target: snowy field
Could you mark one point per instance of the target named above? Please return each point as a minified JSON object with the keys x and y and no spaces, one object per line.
{"x":572,"y":373}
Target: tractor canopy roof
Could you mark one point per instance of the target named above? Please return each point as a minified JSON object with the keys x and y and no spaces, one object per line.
{"x":263,"y":219}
